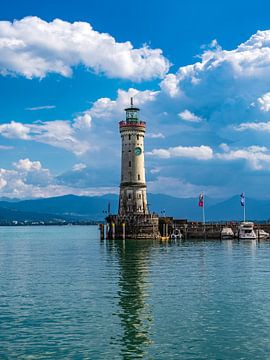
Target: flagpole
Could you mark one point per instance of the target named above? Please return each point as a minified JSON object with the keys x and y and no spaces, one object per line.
{"x":203,"y":213}
{"x":243,"y":203}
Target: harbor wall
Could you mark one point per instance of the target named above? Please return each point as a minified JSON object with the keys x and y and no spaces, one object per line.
{"x":155,"y":227}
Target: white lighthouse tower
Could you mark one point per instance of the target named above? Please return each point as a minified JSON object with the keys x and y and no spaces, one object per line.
{"x":133,"y":221}
{"x":133,"y":199}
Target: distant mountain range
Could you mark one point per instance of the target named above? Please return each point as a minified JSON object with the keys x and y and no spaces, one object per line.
{"x":71,"y":207}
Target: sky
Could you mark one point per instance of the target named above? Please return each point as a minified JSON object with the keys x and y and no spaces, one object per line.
{"x":198,"y":70}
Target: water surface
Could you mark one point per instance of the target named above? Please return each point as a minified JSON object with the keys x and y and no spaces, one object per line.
{"x":64,"y":294}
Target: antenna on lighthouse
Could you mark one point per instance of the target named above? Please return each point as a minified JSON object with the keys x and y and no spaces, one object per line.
{"x":131,"y":101}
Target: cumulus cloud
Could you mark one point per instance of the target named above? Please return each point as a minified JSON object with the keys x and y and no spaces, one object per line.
{"x":187,"y":115}
{"x":225,"y":87}
{"x":28,"y":179}
{"x":106,"y":108}
{"x":264,"y":102}
{"x":59,"y":133}
{"x":15,"y":130}
{"x":23,"y":178}
{"x":83,"y":121}
{"x":257,"y":157}
{"x":228,"y":86}
{"x":76,"y":135}
{"x":33,"y":47}
{"x":27,"y":165}
{"x":192,"y":152}
{"x":170,"y":85}
{"x":256,"y":126}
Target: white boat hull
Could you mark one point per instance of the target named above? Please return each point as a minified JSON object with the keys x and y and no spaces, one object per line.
{"x":246,"y":231}
{"x":248,"y":237}
{"x":227,"y":233}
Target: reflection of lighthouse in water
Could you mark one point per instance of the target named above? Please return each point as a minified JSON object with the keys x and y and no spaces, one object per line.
{"x":134,"y":311}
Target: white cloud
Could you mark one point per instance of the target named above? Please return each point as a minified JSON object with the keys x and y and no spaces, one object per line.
{"x":192,"y":152}
{"x":76,"y":135}
{"x":79,"y":167}
{"x":155,"y":135}
{"x":106,"y":108}
{"x":179,"y":187}
{"x":256,"y":126}
{"x":170,"y":85}
{"x":4,"y":147}
{"x":15,"y":130}
{"x":44,"y":107}
{"x":59,"y":133}
{"x":27,"y":165}
{"x":264,"y":102}
{"x":83,"y":121}
{"x":257,"y":157}
{"x":28,"y":179}
{"x":223,"y":84}
{"x":189,"y":116}
{"x":3,"y":182}
{"x":33,"y":47}
{"x":225,"y":147}
{"x":26,"y":176}
{"x":155,"y":170}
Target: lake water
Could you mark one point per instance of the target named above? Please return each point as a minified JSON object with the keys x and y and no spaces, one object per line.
{"x":64,"y":294}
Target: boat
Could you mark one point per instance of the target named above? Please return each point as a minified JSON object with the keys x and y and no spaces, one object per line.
{"x":246,"y":231}
{"x":227,"y":233}
{"x":176,"y":234}
{"x":262,"y":234}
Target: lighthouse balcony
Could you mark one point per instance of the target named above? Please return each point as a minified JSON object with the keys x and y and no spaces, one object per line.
{"x":140,"y":124}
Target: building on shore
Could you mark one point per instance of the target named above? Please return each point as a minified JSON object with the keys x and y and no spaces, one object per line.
{"x":134,"y":220}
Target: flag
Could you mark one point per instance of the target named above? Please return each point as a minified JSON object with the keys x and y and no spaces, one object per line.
{"x":201,"y":200}
{"x":242,"y":199}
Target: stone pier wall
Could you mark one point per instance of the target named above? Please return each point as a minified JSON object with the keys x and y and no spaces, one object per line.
{"x":133,"y":227}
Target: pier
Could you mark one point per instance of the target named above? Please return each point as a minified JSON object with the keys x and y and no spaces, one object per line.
{"x":117,"y":228}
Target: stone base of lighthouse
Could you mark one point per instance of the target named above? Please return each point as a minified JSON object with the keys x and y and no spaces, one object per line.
{"x":136,"y":227}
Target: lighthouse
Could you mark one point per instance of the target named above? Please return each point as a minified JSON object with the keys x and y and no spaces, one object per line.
{"x":133,"y":198}
{"x":134,"y":220}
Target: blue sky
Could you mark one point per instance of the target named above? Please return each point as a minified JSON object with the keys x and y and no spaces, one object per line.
{"x":199,"y":71}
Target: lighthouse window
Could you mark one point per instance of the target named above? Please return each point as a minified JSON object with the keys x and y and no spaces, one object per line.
{"x":129,"y":137}
{"x":129,"y":196}
{"x":129,"y":163}
{"x":138,"y":137}
{"x":139,"y":177}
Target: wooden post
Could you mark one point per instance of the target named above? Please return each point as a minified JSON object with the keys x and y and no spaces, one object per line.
{"x":101,"y":230}
{"x":107,"y":231}
{"x":113,"y":230}
{"x":124,"y":230}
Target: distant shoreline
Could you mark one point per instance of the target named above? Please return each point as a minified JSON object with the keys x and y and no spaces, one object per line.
{"x":43,"y":223}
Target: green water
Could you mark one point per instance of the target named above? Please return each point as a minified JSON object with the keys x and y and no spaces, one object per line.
{"x":66,"y":295}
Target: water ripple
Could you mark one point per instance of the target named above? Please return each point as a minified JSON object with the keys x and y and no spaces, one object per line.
{"x":66,"y":295}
